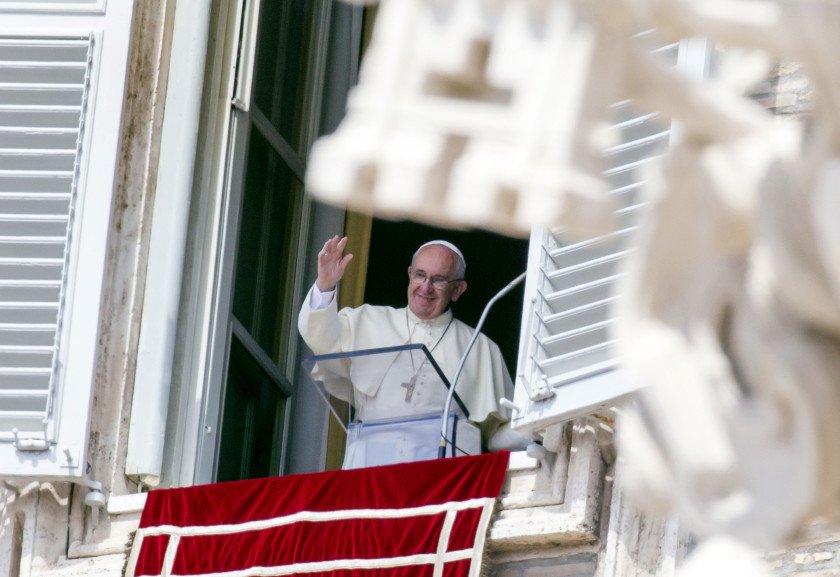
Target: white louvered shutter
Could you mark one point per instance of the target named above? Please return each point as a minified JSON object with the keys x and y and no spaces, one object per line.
{"x":567,"y":364}
{"x":62,"y":74}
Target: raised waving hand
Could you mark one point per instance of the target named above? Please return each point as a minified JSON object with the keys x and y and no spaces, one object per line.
{"x":331,"y":263}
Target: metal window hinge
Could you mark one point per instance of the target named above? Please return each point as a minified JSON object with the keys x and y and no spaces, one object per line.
{"x":543,"y":392}
{"x":538,"y":391}
{"x":239,"y":104}
{"x":31,"y":444}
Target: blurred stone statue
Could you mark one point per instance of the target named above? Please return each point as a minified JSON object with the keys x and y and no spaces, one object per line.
{"x":732,"y":298}
{"x":492,"y":114}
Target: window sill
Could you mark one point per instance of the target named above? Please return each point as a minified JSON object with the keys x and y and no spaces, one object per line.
{"x":558,"y":507}
{"x":537,"y":508}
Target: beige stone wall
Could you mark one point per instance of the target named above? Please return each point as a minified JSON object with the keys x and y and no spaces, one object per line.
{"x":571,"y":562}
{"x":576,"y":521}
{"x":786,"y":91}
{"x":815,"y":554}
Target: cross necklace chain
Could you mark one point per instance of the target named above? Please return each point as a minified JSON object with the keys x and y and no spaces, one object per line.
{"x":411,"y":384}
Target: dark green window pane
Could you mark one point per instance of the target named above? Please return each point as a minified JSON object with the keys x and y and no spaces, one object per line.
{"x":252,"y":432}
{"x":280,"y":71}
{"x":266,"y":252}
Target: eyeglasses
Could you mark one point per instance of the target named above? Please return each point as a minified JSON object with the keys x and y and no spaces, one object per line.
{"x":438,"y":282}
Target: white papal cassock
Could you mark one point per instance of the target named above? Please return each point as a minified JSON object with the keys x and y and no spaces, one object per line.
{"x":483,"y":381}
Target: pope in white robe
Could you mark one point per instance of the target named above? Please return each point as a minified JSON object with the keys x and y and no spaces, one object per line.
{"x":435,"y":280}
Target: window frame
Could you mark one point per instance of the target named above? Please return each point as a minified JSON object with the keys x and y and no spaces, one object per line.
{"x":191,"y":447}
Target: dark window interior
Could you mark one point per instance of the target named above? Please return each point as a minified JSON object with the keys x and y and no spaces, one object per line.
{"x":492,"y":261}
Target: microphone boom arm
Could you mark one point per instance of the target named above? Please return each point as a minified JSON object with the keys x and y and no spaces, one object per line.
{"x":446,"y":407}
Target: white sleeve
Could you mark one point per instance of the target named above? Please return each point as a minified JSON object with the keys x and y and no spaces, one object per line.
{"x":320,"y":300}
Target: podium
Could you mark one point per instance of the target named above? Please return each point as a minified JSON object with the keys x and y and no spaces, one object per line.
{"x":389,"y":402}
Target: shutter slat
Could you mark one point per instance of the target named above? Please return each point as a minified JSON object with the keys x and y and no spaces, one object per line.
{"x":586,"y":315}
{"x":620,"y":235}
{"x":628,"y":169}
{"x":30,"y":283}
{"x":35,"y":174}
{"x":640,"y":141}
{"x":571,"y":342}
{"x":28,"y":240}
{"x":583,"y":361}
{"x":578,"y":310}
{"x":30,"y":291}
{"x":577,"y":297}
{"x":591,"y":367}
{"x":573,"y":268}
{"x":34,"y":217}
{"x":583,"y":287}
{"x":15,"y":349}
{"x":39,"y":130}
{"x":41,"y":64}
{"x":21,"y":394}
{"x":25,"y":304}
{"x":577,"y":331}
{"x":38,"y":247}
{"x":25,"y":316}
{"x":36,"y":138}
{"x":20,"y":4}
{"x":38,"y":116}
{"x":11,"y":46}
{"x":25,"y":419}
{"x":37,"y":261}
{"x":632,"y":120}
{"x":28,"y":335}
{"x":28,"y":73}
{"x":41,"y":117}
{"x":23,"y":403}
{"x":25,"y":359}
{"x":33,"y":196}
{"x":24,"y":372}
{"x":57,"y":204}
{"x":36,"y":99}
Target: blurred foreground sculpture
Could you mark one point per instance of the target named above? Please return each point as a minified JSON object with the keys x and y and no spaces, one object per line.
{"x":732,"y":299}
{"x":460,"y":118}
{"x":491,"y":114}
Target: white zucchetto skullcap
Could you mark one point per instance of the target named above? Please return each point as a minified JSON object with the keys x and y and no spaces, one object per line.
{"x":448,"y":245}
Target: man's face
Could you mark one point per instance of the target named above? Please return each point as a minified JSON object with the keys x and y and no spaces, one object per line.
{"x":425,"y":300}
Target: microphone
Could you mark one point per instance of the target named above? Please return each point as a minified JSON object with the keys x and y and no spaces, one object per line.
{"x":447,"y":406}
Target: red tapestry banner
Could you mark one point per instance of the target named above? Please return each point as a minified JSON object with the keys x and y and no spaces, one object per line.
{"x":422,"y":519}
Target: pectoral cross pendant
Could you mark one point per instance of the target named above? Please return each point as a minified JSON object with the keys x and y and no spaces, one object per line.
{"x":409,"y":388}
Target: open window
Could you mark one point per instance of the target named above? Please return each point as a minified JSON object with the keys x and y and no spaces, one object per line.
{"x":235,"y":391}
